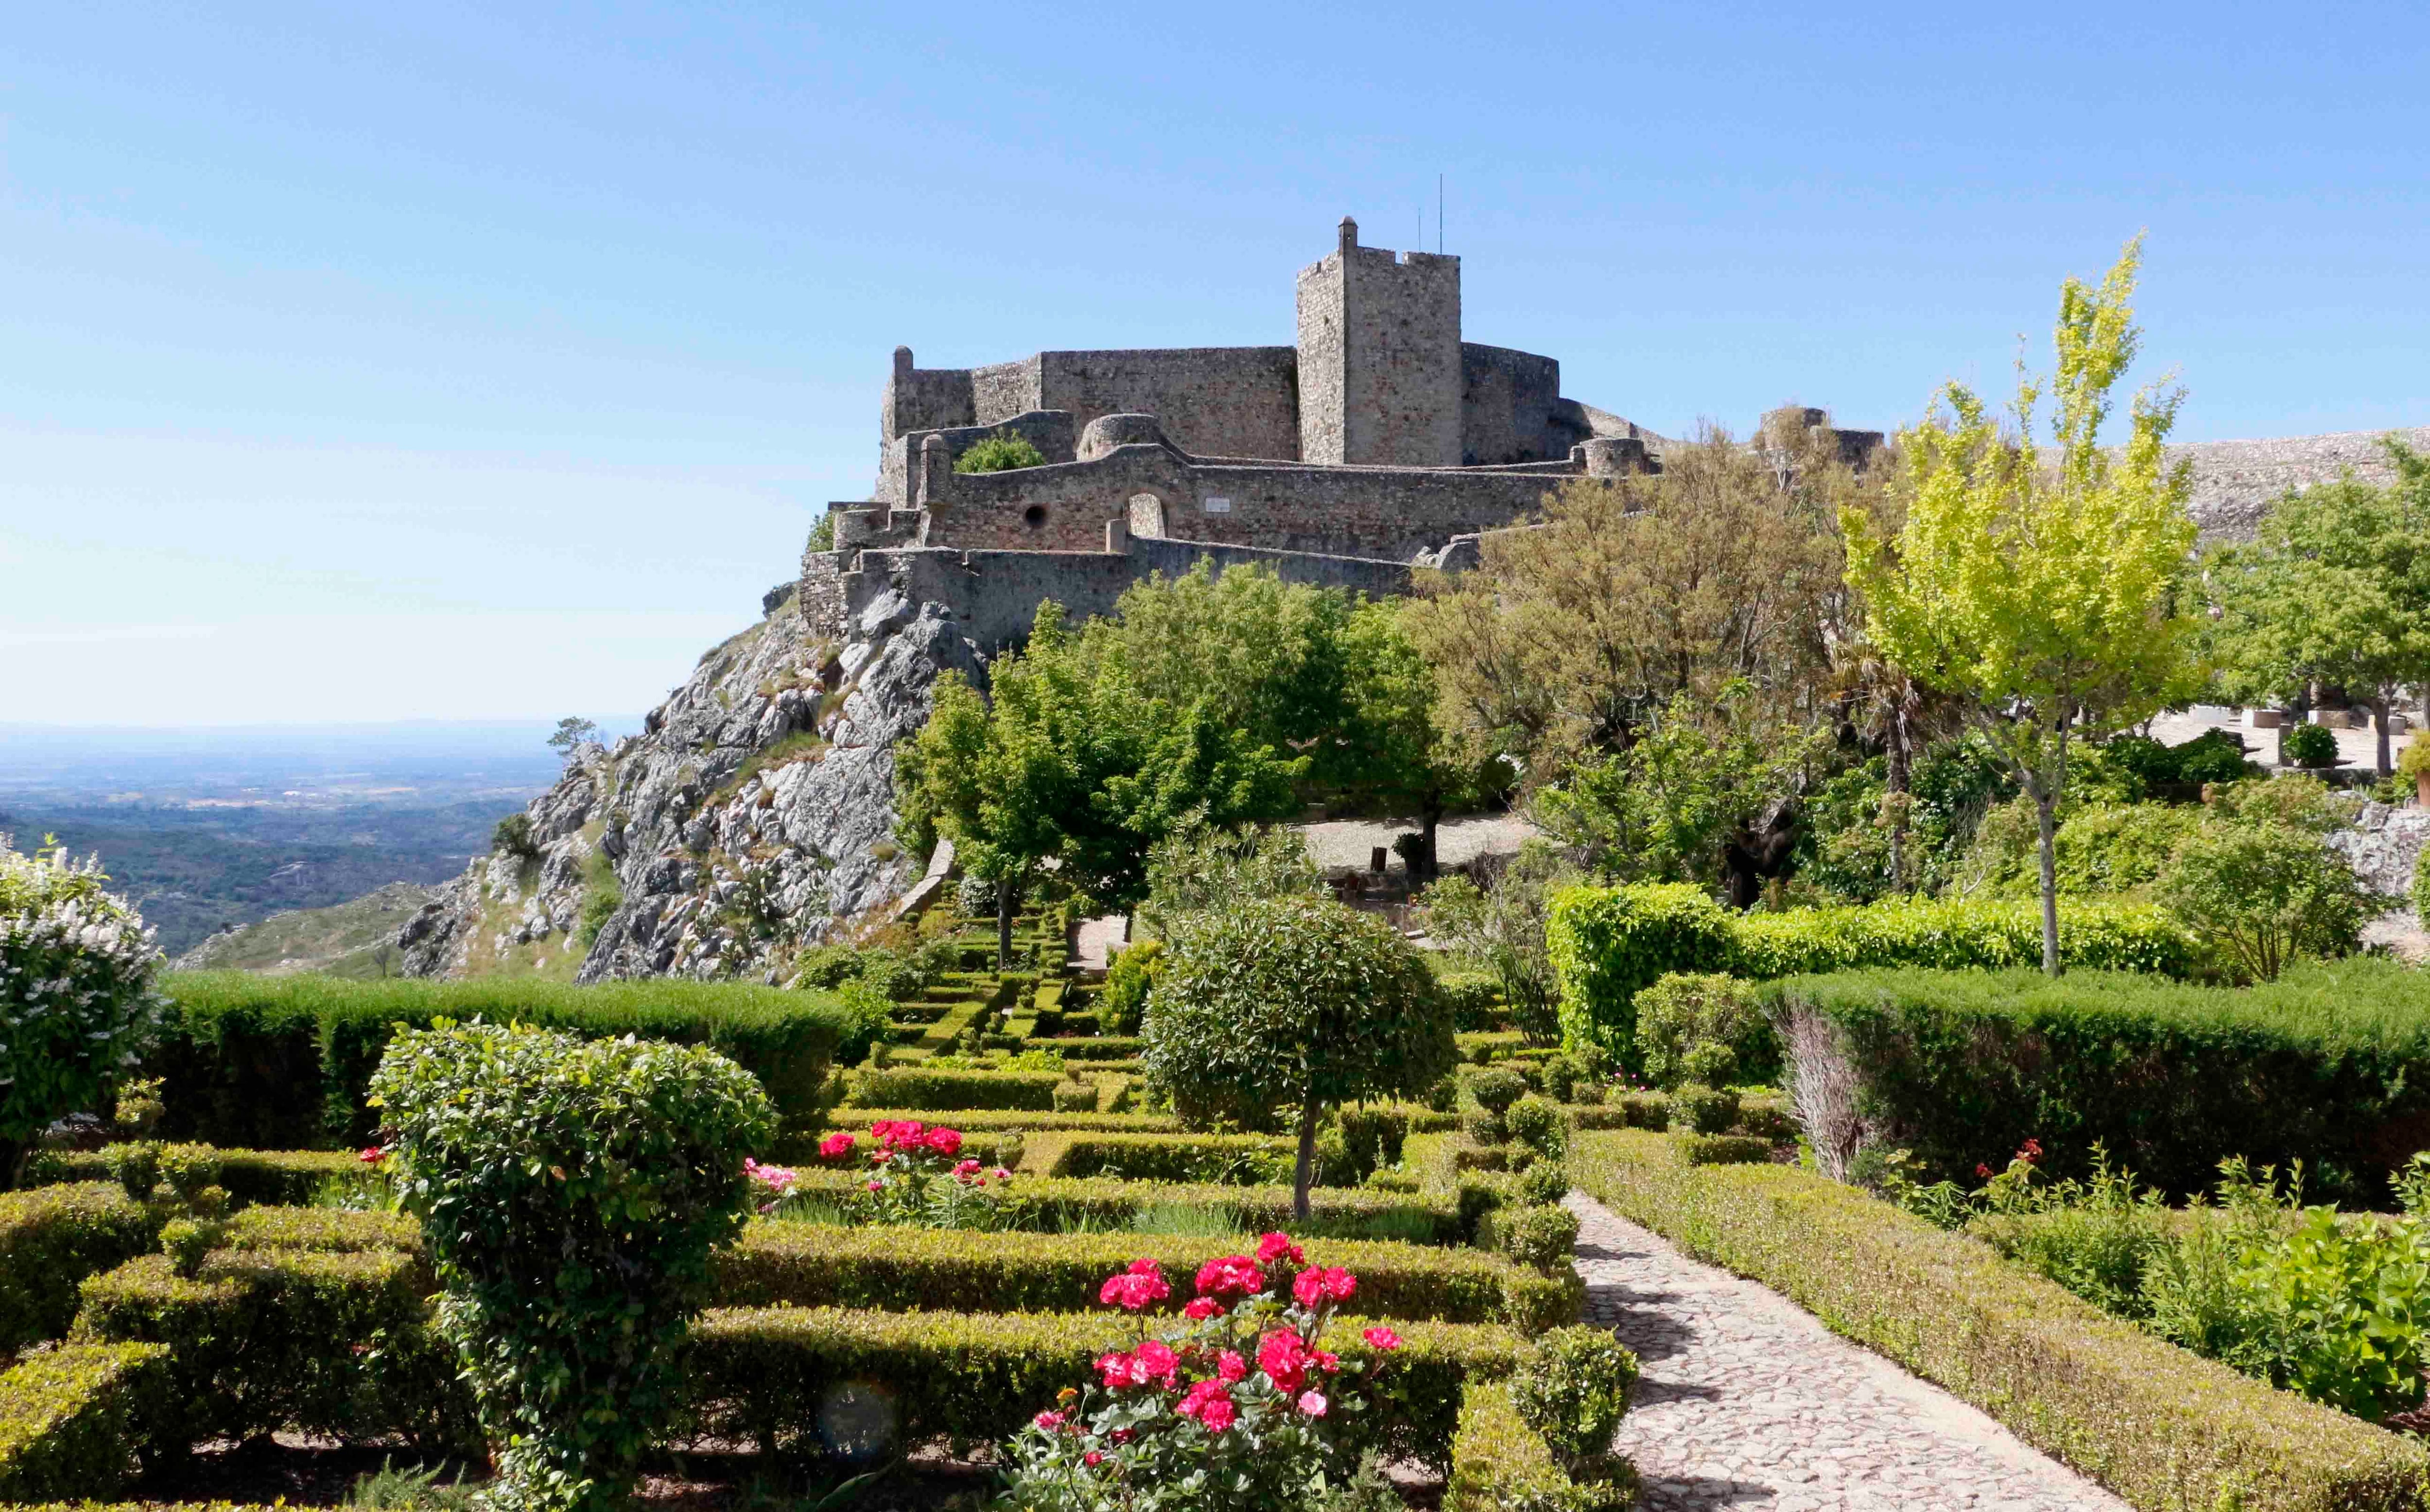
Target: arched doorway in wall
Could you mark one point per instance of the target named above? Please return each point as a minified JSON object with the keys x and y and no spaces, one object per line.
{"x":1147,"y":516}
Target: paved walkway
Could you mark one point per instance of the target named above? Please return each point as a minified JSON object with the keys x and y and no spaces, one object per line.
{"x":1749,"y":1404}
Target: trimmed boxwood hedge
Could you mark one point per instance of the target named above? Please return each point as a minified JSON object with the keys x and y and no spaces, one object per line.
{"x":1608,"y":942}
{"x":762,"y":1375}
{"x":2162,"y":1428}
{"x":1499,"y":1463}
{"x":810,"y":1265}
{"x":51,"y":1239}
{"x":2329,"y":1065}
{"x":324,"y":1341}
{"x":947,"y":1092}
{"x":1348,"y":1212}
{"x":282,"y":1062}
{"x":1024,"y":1121}
{"x":276,"y":1177}
{"x":1226,"y":1159}
{"x":71,"y":1420}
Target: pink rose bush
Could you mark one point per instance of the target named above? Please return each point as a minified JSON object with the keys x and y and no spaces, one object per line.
{"x":775,"y":1183}
{"x":918,"y":1174}
{"x":1234,"y":1406}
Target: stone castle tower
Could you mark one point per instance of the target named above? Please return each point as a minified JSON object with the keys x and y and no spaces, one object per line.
{"x":1379,"y":357}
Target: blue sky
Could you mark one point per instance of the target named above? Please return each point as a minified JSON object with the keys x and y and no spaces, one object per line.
{"x":453,"y":361}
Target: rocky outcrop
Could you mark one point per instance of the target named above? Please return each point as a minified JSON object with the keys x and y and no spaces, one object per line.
{"x":2383,"y":845}
{"x":753,"y":815}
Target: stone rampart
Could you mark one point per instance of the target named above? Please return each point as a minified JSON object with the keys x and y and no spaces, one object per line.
{"x":996,"y":594}
{"x":2234,"y":481}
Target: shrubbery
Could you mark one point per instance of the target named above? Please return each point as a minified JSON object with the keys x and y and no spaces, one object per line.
{"x":51,"y":1239}
{"x":2330,"y":1066}
{"x":77,"y":969}
{"x":284,"y":1062}
{"x":999,"y":453}
{"x":71,"y":1420}
{"x":1609,"y":943}
{"x":571,"y":1192}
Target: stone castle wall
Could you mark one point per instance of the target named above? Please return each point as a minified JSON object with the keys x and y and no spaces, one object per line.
{"x":994,"y":595}
{"x":1380,"y":361}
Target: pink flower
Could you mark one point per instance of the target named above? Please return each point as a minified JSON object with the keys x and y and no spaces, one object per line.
{"x":1135,"y":1290}
{"x":966,"y":1170}
{"x":1210,"y":1402}
{"x":1092,"y":1460}
{"x":373,"y":1157}
{"x":946,"y":1142}
{"x":1321,"y":1284}
{"x":1982,"y":1171}
{"x":876,"y":1186}
{"x":1273,"y":1247}
{"x":1002,"y":1174}
{"x":891,"y":1132}
{"x":1157,"y":1361}
{"x":1383,"y":1338}
{"x":1230,"y":1274}
{"x":1229,"y":1366}
{"x":1121,"y":1368}
{"x":1201,"y":1308}
{"x":1326,"y":1361}
{"x":835,"y":1146}
{"x":1049,"y":1421}
{"x":2032,"y":1152}
{"x":1312,"y":1403}
{"x":1283,"y":1355}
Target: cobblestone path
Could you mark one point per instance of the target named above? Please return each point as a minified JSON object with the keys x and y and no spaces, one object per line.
{"x":1747,"y":1402}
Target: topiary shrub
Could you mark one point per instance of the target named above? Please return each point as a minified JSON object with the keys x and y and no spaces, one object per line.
{"x":2310,"y":745}
{"x":1129,"y":977}
{"x":1707,"y":1109}
{"x":1574,"y":1389}
{"x":1292,"y":1000}
{"x":1539,"y":1126}
{"x":1681,"y":1012}
{"x":76,"y":969}
{"x":1535,"y":1234}
{"x":1476,"y":1001}
{"x":571,"y":1192}
{"x":1495,"y":1091}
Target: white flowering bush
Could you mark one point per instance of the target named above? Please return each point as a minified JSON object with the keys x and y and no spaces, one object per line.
{"x":76,"y":1001}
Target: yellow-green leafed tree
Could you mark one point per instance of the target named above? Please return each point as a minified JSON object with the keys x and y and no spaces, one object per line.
{"x":2041,"y":591}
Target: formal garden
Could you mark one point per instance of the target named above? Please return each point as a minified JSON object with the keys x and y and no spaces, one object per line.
{"x":1870,"y":951}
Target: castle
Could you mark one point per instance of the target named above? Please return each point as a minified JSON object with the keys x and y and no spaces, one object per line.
{"x":1380,"y":437}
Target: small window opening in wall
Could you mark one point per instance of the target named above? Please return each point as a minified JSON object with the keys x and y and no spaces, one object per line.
{"x":1034,"y":517}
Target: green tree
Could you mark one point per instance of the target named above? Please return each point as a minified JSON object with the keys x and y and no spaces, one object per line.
{"x":2262,"y":894}
{"x":1292,"y":1001}
{"x":572,"y":734}
{"x":1065,"y":760}
{"x":2041,"y":595}
{"x":1390,"y":752}
{"x":2334,"y":590}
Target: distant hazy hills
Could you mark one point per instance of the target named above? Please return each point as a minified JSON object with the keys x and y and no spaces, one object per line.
{"x":353,"y":939}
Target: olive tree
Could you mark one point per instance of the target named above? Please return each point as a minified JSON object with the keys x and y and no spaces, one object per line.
{"x":1301,"y":1001}
{"x":77,"y":969}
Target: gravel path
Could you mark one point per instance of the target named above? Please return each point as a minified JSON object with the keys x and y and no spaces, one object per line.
{"x":1747,"y":1402}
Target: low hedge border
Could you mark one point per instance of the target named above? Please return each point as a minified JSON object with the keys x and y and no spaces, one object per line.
{"x":1344,"y":1212}
{"x":949,"y":1090}
{"x":331,"y":1343}
{"x":1499,"y":1463}
{"x":1008,"y":1119}
{"x":272,"y":1177}
{"x":1222,"y":1159}
{"x":1691,"y":1149}
{"x":901,"y":1269}
{"x":73,"y":1420}
{"x":762,"y":1375}
{"x":1086,"y":1047}
{"x":2157,"y":1425}
{"x":51,"y":1239}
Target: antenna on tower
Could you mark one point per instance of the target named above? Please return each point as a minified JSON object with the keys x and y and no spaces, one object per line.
{"x":1438,"y":209}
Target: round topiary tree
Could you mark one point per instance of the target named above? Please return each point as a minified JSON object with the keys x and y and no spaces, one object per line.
{"x":571,"y":1192}
{"x":1292,"y":1001}
{"x":77,"y":969}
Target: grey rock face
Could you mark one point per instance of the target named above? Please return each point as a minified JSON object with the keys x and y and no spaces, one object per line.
{"x":2383,"y":846}
{"x":712,"y":872}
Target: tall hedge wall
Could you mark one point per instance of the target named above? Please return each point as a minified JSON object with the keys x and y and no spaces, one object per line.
{"x":1608,"y":942}
{"x":282,"y":1062}
{"x":2330,"y":1064}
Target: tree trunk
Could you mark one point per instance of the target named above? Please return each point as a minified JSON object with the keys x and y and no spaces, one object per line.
{"x":1430,"y":819}
{"x":1304,"y":1175}
{"x":1004,"y":924}
{"x":2379,"y":722}
{"x":2045,"y":815}
{"x":2297,"y":707}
